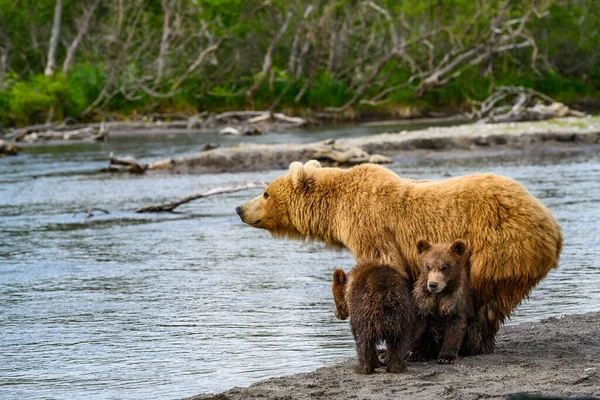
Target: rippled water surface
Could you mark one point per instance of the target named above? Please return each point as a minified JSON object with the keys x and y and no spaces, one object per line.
{"x":130,"y":306}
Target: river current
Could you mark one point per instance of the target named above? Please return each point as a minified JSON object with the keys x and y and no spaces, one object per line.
{"x":127,"y":306}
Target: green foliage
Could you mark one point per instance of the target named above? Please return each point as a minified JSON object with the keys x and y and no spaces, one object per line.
{"x":116,"y":63}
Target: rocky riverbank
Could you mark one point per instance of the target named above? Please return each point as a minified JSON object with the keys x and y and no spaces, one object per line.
{"x":554,"y":357}
{"x":469,"y":138}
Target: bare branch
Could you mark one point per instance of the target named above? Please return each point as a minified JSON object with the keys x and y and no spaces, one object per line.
{"x":268,"y":61}
{"x":81,"y":32}
{"x":170,"y":206}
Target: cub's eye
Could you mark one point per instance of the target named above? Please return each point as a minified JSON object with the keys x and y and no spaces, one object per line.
{"x":445,"y":267}
{"x":428,"y":267}
{"x":266,"y":195}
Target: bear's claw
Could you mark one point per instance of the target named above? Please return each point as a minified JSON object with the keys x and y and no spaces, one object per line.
{"x":447,"y":360}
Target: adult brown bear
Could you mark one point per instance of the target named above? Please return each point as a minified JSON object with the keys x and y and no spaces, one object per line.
{"x":512,"y":238}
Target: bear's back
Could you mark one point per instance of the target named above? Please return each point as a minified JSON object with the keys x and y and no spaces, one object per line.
{"x":379,"y":294}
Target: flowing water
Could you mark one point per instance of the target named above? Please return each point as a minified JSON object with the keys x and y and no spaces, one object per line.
{"x":128,"y":306}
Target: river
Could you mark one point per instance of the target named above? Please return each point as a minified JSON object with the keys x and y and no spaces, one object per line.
{"x":128,"y":306}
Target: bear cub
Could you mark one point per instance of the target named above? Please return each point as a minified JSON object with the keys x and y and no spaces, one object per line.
{"x":446,"y":319}
{"x":380,"y":304}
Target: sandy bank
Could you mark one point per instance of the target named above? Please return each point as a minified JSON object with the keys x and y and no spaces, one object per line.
{"x":473,"y":138}
{"x":554,"y":357}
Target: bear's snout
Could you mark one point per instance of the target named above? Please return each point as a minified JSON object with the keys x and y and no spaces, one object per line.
{"x":433,"y":286}
{"x":239,"y":211}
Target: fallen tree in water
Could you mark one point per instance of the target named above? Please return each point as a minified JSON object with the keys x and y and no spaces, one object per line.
{"x":171,"y":205}
{"x":517,"y":104}
{"x":7,"y":149}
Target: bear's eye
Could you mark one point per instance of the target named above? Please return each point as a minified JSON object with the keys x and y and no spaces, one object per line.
{"x":428,"y":267}
{"x":266,"y":195}
{"x":445,"y":267}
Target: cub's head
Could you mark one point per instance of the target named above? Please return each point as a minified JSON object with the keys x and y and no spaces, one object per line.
{"x":442,"y":264}
{"x":271,"y":210}
{"x":338,"y":288}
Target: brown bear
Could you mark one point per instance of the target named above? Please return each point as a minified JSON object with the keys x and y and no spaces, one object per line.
{"x":514,"y":241}
{"x":379,"y":301}
{"x":444,"y":303}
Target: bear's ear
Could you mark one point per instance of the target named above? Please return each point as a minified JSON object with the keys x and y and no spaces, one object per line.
{"x":458,"y":247}
{"x":301,"y":176}
{"x":339,"y":277}
{"x":312,"y":164}
{"x":423,"y":245}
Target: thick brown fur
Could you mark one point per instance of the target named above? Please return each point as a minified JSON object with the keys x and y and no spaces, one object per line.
{"x":514,"y":241}
{"x":379,"y":301}
{"x":444,"y":303}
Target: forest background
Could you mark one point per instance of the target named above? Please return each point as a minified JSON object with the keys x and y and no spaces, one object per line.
{"x":91,"y":60}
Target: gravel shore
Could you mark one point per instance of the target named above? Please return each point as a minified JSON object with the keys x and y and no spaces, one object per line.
{"x":558,"y":357}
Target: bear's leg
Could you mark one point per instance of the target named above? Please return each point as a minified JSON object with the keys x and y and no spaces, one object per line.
{"x":398,"y":347}
{"x":366,"y":351}
{"x":472,"y":341}
{"x":453,"y":338}
{"x":490,"y":320}
{"x":416,"y":342}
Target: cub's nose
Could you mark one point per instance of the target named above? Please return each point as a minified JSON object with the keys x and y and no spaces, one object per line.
{"x":239,"y":211}
{"x":433,"y":285}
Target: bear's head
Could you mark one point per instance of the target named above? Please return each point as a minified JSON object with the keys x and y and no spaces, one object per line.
{"x":272,"y":209}
{"x":442,"y":264}
{"x":338,"y":288}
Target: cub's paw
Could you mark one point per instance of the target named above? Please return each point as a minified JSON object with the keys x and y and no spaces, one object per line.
{"x":415,"y":356}
{"x":447,"y":360}
{"x":363,"y":370}
{"x":396,"y":368}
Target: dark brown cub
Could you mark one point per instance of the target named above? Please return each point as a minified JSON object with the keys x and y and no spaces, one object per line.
{"x":380,"y":304}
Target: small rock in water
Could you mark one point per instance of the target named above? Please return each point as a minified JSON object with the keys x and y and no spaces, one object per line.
{"x":7,"y":149}
{"x":379,"y":159}
{"x":209,"y":146}
{"x":251,"y":132}
{"x":229,"y":131}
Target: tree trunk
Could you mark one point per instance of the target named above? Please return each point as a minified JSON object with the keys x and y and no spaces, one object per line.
{"x":164,"y":41}
{"x":268,"y":61}
{"x":83,"y":28}
{"x":51,"y":65}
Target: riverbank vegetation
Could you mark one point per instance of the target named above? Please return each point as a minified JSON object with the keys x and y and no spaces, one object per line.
{"x":103,"y":60}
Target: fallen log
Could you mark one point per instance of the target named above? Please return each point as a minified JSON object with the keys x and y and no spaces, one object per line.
{"x":88,"y":133}
{"x":170,"y":206}
{"x":518,"y":104}
{"x":7,"y":149}
{"x":125,"y":164}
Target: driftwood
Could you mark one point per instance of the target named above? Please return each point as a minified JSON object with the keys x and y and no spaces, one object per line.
{"x":125,"y":164}
{"x":55,"y":133}
{"x":517,"y":104}
{"x":245,"y":122}
{"x":170,"y":206}
{"x":89,"y":213}
{"x":7,"y":149}
{"x":351,"y":156}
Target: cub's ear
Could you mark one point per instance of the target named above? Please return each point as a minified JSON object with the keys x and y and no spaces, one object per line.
{"x":339,"y":277}
{"x":312,"y":164}
{"x":423,"y":245}
{"x":301,"y":176}
{"x":458,"y":247}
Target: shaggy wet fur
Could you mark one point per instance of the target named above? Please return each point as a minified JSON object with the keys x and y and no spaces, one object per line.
{"x":446,"y":318}
{"x":513,"y":239}
{"x":379,"y":302}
